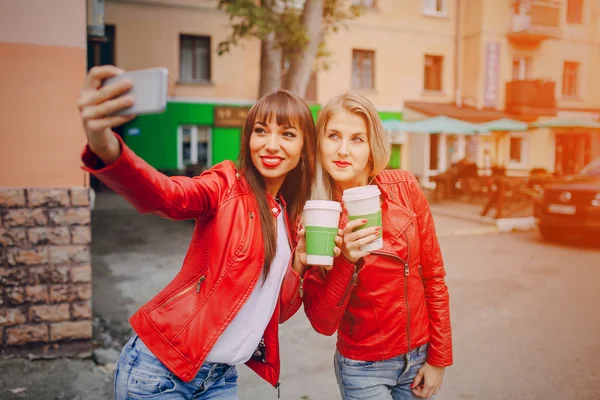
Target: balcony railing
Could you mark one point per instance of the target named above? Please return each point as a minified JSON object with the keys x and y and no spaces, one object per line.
{"x":534,"y":21}
{"x":530,"y":97}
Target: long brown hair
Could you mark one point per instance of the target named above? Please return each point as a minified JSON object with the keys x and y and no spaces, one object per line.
{"x":286,"y":109}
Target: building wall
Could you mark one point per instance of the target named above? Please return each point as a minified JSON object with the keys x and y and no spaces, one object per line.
{"x":400,"y":35}
{"x":42,"y":70}
{"x":147,"y":35}
{"x":45,"y":272}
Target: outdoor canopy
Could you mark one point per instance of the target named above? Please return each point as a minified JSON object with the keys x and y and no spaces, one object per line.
{"x":438,"y":124}
{"x":505,"y":125}
{"x":567,"y":123}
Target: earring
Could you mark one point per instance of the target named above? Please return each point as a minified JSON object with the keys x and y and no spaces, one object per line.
{"x":302,"y":163}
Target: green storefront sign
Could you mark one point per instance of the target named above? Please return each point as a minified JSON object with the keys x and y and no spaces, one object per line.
{"x":161,"y":139}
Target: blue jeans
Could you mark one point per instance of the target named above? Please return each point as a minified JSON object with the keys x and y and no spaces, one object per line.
{"x":379,"y":380}
{"x":140,"y":375}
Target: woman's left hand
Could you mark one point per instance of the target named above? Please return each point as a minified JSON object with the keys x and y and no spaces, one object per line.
{"x":428,"y":381}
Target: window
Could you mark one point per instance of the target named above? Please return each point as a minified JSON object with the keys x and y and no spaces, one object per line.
{"x":433,"y":73}
{"x":574,"y":11}
{"x":435,"y":7}
{"x":194,"y":58}
{"x":570,"y":87}
{"x":521,"y":68}
{"x":434,"y":151}
{"x":518,"y":151}
{"x":363,"y":69}
{"x":194,"y":146}
{"x":365,"y":3}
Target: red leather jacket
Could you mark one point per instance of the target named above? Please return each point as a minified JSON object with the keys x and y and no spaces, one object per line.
{"x":394,"y":299}
{"x":223,"y":263}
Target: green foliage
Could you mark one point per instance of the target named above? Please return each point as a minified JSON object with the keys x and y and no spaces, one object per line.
{"x":257,"y":19}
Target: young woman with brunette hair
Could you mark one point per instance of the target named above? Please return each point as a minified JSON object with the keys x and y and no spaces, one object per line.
{"x":238,"y":280}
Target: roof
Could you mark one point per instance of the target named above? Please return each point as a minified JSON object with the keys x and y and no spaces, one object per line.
{"x":463,"y":113}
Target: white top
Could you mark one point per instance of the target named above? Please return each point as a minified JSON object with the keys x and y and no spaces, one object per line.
{"x":241,"y":337}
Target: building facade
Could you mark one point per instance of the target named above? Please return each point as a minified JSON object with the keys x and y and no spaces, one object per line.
{"x":45,"y":272}
{"x":473,"y":60}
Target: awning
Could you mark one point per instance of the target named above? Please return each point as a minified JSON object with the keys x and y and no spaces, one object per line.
{"x":443,"y":124}
{"x":567,"y":123}
{"x":393,"y":125}
{"x":506,"y":125}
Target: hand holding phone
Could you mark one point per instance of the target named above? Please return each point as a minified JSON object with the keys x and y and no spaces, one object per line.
{"x":148,"y":89}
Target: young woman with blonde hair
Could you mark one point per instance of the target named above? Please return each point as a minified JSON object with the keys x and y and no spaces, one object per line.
{"x":390,"y":307}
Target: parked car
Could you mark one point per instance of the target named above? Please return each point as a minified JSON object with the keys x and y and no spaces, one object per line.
{"x":570,"y":205}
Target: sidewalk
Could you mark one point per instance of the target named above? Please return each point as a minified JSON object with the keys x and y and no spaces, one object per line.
{"x":472,"y":212}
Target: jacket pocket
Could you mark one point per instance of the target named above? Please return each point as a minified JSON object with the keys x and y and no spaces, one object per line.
{"x":247,"y":237}
{"x":192,"y":288}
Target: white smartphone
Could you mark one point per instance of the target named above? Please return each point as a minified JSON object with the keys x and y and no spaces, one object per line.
{"x":149,"y":90}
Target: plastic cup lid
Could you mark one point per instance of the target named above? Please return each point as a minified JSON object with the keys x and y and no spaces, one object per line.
{"x":323,"y":205}
{"x":360,"y":193}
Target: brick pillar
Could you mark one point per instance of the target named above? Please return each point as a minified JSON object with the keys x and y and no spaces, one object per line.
{"x":45,"y":269}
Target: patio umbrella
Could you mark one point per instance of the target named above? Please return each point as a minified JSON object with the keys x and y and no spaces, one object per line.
{"x":505,"y":125}
{"x":394,"y":125}
{"x":443,"y":124}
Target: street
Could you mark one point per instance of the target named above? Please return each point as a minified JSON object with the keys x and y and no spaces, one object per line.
{"x":525,"y":316}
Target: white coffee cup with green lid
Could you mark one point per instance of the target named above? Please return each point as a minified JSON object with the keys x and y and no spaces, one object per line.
{"x":321,"y":221}
{"x":363,"y":202}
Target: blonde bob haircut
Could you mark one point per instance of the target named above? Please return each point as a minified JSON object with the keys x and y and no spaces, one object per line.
{"x":357,"y":104}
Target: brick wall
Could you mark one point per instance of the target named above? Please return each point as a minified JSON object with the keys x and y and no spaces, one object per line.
{"x":45,"y":268}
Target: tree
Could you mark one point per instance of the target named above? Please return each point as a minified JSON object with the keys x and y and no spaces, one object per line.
{"x":292,"y":34}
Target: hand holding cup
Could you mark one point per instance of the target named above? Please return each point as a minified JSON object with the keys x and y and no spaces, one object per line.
{"x":354,"y":238}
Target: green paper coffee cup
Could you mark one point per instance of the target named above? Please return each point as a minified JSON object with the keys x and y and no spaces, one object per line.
{"x":321,"y":220}
{"x":363,"y":202}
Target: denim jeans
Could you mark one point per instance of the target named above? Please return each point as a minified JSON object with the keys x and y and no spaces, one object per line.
{"x":379,"y":380}
{"x":140,"y":375}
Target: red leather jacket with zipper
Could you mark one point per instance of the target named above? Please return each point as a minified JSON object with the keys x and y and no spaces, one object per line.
{"x":223,"y":263}
{"x":394,"y":299}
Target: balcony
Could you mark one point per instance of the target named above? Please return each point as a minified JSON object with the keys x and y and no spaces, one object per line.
{"x":530,"y":97}
{"x":534,"y":21}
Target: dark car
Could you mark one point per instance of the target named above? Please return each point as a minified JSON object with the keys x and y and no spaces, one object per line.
{"x":571,"y":206}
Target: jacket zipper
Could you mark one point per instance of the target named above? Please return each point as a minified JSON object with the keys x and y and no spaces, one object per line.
{"x":406,"y":274}
{"x":301,"y":288}
{"x":176,"y":296}
{"x":354,"y":282}
{"x":249,"y":232}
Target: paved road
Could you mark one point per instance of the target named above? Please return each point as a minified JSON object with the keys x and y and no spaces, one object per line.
{"x":525,"y":316}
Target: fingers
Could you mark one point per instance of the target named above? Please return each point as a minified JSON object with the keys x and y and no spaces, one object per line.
{"x":352,"y":225}
{"x":356,"y":244}
{"x":361,"y":233}
{"x":302,"y":233}
{"x":106,"y":108}
{"x":105,"y":93}
{"x":97,"y":125}
{"x":418,"y":378}
{"x":336,"y":251}
{"x":97,"y":74}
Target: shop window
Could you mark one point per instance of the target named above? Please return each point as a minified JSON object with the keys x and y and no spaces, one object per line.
{"x":194,"y":146}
